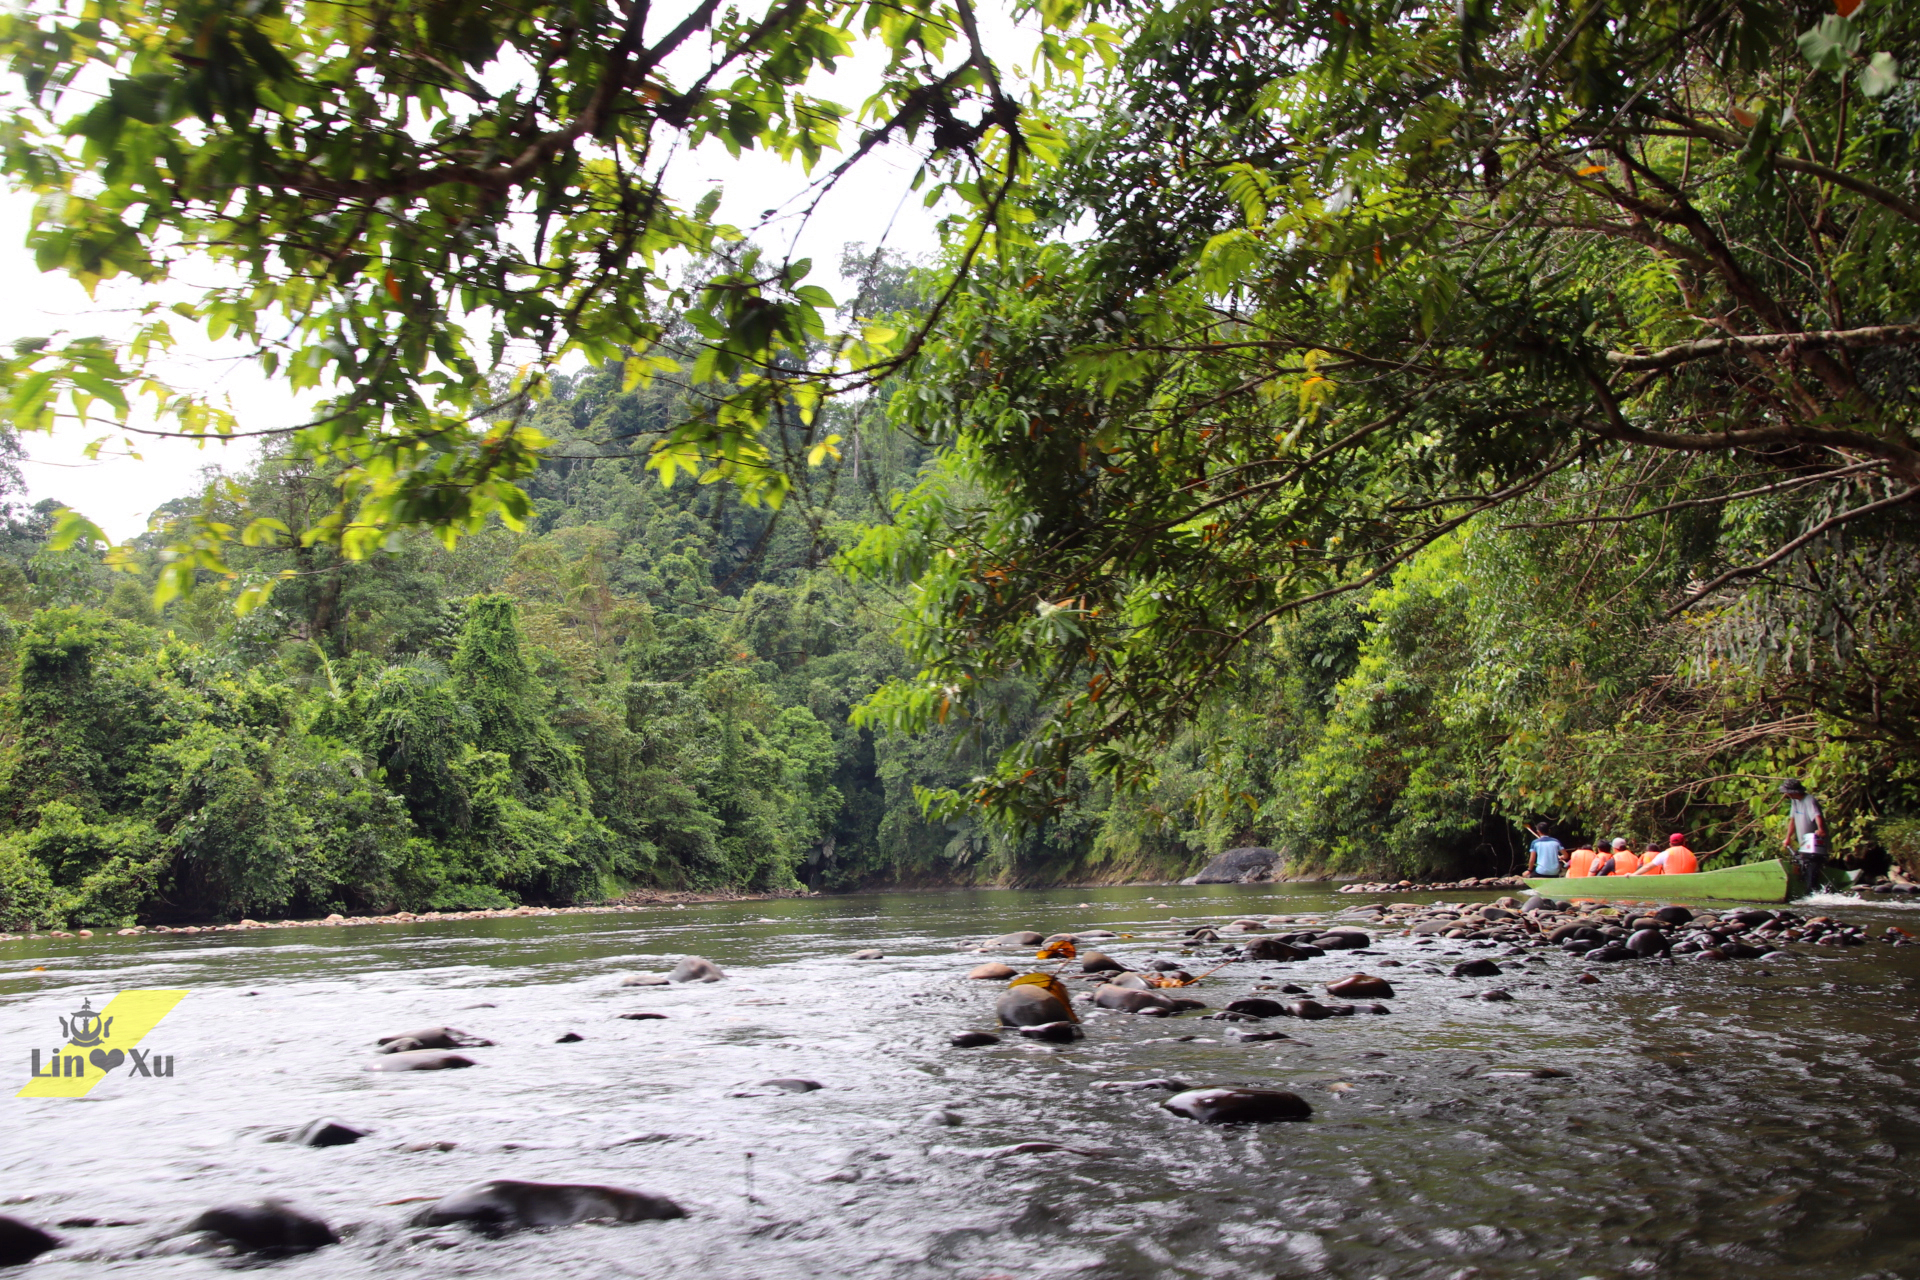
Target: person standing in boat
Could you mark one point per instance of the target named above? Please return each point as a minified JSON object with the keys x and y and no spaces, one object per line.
{"x":1806,"y":833}
{"x":1546,"y":851}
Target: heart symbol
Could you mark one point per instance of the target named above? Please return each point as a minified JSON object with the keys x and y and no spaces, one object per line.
{"x":106,"y":1059}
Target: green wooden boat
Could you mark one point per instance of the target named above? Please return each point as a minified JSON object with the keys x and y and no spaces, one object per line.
{"x":1775,"y":880}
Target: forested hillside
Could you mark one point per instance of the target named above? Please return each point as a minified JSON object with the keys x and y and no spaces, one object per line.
{"x":1358,"y":429}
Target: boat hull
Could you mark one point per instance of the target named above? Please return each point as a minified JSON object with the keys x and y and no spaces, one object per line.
{"x":1771,"y":881}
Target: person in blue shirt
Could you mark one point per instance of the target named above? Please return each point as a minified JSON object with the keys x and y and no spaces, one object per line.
{"x":1547,"y":859}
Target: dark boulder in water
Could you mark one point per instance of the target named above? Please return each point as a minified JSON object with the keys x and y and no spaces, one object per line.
{"x":693,"y":969}
{"x":1611,"y":952}
{"x":1272,"y":949}
{"x":504,"y":1204}
{"x":1100,"y":962}
{"x":1029,"y":1006}
{"x":1022,"y":938}
{"x":1312,"y":1010}
{"x":1343,"y":940}
{"x":432,"y":1038}
{"x":327,"y":1133}
{"x":1647,"y":942}
{"x":1477,"y":969}
{"x":1361,"y":986}
{"x":1258,"y":1007}
{"x":1127,"y":1000}
{"x":1131,"y":981}
{"x":1250,"y":864}
{"x":792,"y":1085}
{"x":420,"y":1060}
{"x":973,"y":1039}
{"x":1674,"y":915}
{"x":22,"y":1242}
{"x":871,"y":953}
{"x":268,"y":1227}
{"x":1054,"y":1032}
{"x":1238,"y":1106}
{"x":991,"y":971}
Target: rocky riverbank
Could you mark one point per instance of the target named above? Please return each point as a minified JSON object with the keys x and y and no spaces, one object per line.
{"x":639,"y":898}
{"x":1481,"y":884}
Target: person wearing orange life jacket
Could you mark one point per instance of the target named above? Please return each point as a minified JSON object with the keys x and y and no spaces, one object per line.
{"x":1603,"y":861}
{"x":1625,"y":860}
{"x":1580,"y":862}
{"x":1675,"y":860}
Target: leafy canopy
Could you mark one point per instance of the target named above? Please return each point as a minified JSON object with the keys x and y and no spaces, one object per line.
{"x":419,"y":207}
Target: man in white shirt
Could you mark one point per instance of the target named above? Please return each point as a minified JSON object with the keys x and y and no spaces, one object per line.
{"x":1806,"y":833}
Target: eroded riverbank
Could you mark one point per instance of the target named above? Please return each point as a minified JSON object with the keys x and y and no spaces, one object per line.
{"x":1714,"y":1120}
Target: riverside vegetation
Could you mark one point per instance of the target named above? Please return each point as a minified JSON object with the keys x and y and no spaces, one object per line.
{"x":1355,"y":430}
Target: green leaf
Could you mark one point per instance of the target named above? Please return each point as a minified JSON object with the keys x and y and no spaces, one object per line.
{"x":1830,"y":45}
{"x":1881,"y":75}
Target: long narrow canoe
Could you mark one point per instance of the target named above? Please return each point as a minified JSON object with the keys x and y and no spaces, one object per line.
{"x":1771,"y":881}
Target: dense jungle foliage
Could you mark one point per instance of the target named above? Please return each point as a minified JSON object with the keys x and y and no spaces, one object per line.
{"x":1358,"y":428}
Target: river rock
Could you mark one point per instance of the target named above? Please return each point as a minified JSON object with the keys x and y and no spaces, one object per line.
{"x":973,"y":1039}
{"x":644,"y":980}
{"x":1131,"y":981}
{"x":1343,"y":940}
{"x":1258,"y":1007}
{"x":1054,"y":1032}
{"x":269,"y":1227}
{"x":1250,"y":864}
{"x":22,"y":1242}
{"x":504,"y":1204}
{"x":1714,"y":954}
{"x":1361,"y":986}
{"x":1100,"y":962}
{"x":1029,"y":1006}
{"x":1740,"y":951}
{"x":1312,"y":1010}
{"x":1430,"y":928}
{"x":992,"y":971}
{"x":569,"y":1037}
{"x":640,"y":1015}
{"x":1238,"y":1106}
{"x":690,"y":969}
{"x":1126,"y":1000}
{"x":1136,"y":1086}
{"x":1248,"y":926}
{"x":326,"y":1133}
{"x":792,"y":1084}
{"x":871,"y":953}
{"x":1674,"y":915}
{"x":1609,"y":953}
{"x":1271,"y":949}
{"x":1499,"y":995}
{"x":1477,"y":969}
{"x":420,"y":1060}
{"x":1647,"y":942}
{"x":1021,"y":938}
{"x":432,"y":1038}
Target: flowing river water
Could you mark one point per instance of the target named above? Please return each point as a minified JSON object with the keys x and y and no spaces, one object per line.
{"x":1755,"y":1119}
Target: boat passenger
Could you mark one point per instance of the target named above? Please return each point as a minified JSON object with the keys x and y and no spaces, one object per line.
{"x":1675,"y":860}
{"x":1580,"y":862}
{"x":1546,"y":851}
{"x":1625,"y":860}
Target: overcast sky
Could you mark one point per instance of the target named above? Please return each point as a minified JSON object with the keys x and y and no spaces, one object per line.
{"x":120,"y":489}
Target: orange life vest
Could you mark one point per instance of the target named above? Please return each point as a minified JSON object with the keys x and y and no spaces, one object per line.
{"x":1681,"y":862}
{"x":1625,"y":863}
{"x":1581,"y":863}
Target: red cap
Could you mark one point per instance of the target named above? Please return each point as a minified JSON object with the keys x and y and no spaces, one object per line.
{"x":1676,"y":838}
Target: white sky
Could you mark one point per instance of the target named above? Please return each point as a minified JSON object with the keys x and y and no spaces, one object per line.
{"x":120,"y":489}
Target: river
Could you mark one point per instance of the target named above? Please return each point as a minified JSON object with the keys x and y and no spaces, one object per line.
{"x":1751,"y":1120}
